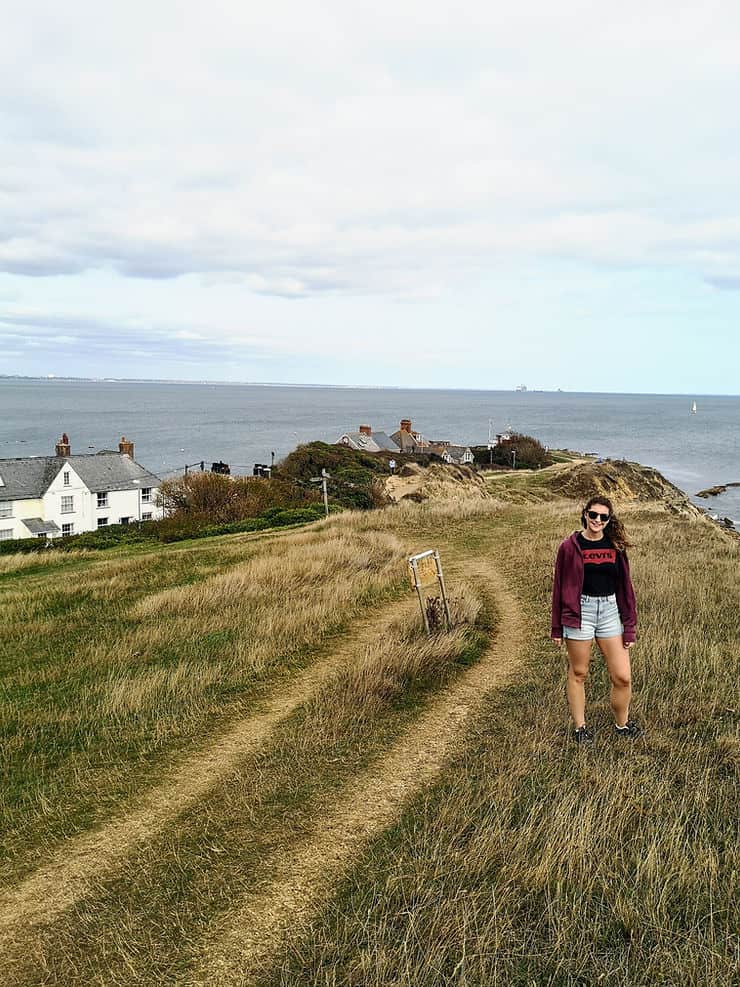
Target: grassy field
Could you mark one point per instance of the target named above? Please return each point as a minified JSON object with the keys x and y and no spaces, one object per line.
{"x":240,"y":761}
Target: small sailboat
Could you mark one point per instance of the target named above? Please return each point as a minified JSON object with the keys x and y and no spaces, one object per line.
{"x":693,"y":408}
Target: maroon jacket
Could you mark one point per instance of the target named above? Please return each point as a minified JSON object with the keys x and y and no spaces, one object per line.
{"x":567,"y":588}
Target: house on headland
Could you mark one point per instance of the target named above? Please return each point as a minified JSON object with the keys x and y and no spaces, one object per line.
{"x":409,"y":441}
{"x":365,"y":440}
{"x":458,"y":455}
{"x":406,"y":440}
{"x":59,"y":495}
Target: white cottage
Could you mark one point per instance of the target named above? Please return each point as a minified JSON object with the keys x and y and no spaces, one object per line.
{"x":52,"y":496}
{"x":458,"y":455}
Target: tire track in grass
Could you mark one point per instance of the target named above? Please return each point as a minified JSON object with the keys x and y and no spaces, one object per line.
{"x":297,"y":884}
{"x":79,"y":865}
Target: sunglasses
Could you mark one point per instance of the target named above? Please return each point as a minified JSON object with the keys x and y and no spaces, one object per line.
{"x":594,"y":515}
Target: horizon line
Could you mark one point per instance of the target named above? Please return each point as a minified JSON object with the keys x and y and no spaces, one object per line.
{"x":53,"y":378}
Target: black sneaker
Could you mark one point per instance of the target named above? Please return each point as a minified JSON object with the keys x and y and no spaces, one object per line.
{"x":631,"y":729}
{"x":582,"y":735}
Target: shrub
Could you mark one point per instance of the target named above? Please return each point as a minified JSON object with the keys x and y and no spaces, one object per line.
{"x":354,"y":474}
{"x":12,"y":546}
{"x":212,"y":498}
{"x":530,"y":453}
{"x":169,"y":529}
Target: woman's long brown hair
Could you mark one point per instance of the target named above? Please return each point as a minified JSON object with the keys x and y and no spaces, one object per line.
{"x":614,"y":530}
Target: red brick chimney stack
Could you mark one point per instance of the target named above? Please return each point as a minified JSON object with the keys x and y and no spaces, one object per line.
{"x":366,"y":430}
{"x":125,"y":447}
{"x":406,"y":425}
{"x":63,"y":447}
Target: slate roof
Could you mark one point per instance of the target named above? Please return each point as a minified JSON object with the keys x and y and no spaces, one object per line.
{"x":37,"y":526}
{"x":405,"y":441}
{"x":377,"y":442}
{"x":25,"y":478}
{"x":112,"y":471}
{"x":362,"y":441}
{"x":385,"y":442}
{"x":30,"y":478}
{"x":456,"y":452}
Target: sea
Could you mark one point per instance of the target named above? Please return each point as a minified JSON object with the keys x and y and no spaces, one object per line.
{"x":178,"y":424}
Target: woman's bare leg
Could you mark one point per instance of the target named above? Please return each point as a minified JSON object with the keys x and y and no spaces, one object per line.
{"x":618,"y":665}
{"x":579,"y":658}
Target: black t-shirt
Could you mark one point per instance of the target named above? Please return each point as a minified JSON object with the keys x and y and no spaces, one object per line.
{"x":599,"y":566}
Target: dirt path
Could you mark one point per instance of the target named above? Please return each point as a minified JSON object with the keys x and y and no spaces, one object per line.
{"x":299,"y":882}
{"x":80,"y":864}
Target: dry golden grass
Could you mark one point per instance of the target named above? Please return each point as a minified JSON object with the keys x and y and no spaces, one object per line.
{"x":530,"y":862}
{"x":388,"y":667}
{"x":537,"y":863}
{"x":134,"y":656}
{"x":20,"y":561}
{"x":307,"y":760}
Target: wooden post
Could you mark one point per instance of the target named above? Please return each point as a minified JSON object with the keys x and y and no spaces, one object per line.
{"x":417,"y":584}
{"x":324,"y":475}
{"x":425,"y":575}
{"x":441,"y":580}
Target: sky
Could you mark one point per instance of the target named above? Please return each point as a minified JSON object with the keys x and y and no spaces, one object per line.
{"x":413,"y":194}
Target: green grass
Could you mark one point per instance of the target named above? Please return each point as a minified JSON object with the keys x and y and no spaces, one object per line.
{"x":532,"y":862}
{"x":144,"y":924}
{"x":527,"y":862}
{"x":94,"y":697}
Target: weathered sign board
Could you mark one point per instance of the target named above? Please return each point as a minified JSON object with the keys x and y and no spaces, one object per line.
{"x":425,"y":569}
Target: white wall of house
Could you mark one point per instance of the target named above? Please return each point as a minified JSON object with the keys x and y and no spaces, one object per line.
{"x":17,"y":510}
{"x":132,"y":505}
{"x":67,"y":502}
{"x":466,"y":458}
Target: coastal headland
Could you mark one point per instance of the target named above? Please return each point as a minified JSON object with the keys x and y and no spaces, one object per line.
{"x":240,"y":759}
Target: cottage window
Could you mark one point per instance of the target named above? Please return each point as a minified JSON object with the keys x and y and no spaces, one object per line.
{"x":68,"y":505}
{"x":146,"y":495}
{"x":6,"y":508}
{"x":67,"y":529}
{"x":6,"y":534}
{"x":66,"y":478}
{"x":103,"y":498}
{"x":102,"y":522}
{"x":147,"y":516}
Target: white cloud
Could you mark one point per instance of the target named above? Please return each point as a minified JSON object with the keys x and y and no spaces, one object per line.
{"x":354,"y":151}
{"x":319,"y":149}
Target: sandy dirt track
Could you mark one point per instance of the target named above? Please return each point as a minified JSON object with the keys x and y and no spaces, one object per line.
{"x":251,"y":936}
{"x":82,"y":862}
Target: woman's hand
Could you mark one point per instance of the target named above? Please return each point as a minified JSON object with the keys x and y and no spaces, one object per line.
{"x":557,"y":640}
{"x":628,"y":644}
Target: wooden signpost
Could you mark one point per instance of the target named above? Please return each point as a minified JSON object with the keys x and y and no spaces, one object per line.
{"x":425,"y":569}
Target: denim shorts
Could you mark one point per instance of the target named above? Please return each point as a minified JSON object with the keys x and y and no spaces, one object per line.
{"x":599,"y":618}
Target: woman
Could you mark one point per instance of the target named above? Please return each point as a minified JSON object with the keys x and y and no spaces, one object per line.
{"x":592,"y":597}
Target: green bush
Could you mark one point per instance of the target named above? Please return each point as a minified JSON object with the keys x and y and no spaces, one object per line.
{"x":530,"y":453}
{"x":22,"y":545}
{"x":210,"y":498}
{"x":166,"y":530}
{"x":353,"y":474}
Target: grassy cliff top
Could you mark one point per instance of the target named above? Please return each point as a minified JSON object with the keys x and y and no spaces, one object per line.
{"x":241,"y":760}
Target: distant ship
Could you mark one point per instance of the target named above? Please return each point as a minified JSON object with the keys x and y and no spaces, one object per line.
{"x":693,"y":408}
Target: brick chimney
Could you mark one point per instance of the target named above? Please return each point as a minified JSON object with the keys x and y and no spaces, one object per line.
{"x":63,"y":447}
{"x":365,"y":430}
{"x":406,"y":425}
{"x":125,"y":447}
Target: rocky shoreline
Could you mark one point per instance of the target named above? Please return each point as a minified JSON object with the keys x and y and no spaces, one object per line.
{"x":716,"y":491}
